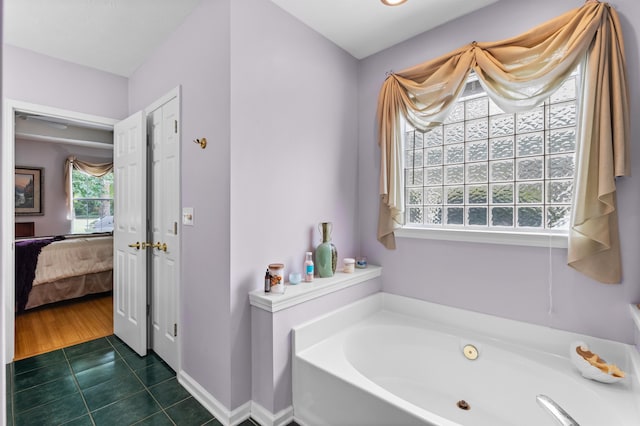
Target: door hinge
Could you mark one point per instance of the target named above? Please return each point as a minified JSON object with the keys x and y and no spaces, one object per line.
{"x":175,"y":126}
{"x":175,"y":228}
{"x":148,"y":309}
{"x":175,"y":330}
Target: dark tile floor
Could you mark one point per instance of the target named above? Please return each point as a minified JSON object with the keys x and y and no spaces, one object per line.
{"x":101,"y":382}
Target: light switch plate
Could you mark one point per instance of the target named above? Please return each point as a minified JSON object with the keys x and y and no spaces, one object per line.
{"x":187,"y":216}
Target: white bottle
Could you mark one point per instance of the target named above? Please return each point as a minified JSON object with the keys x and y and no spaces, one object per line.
{"x":308,"y":267}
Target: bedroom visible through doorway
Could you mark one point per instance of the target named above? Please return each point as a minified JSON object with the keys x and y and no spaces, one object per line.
{"x":19,"y":124}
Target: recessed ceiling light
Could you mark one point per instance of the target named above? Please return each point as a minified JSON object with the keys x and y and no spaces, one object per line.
{"x":392,"y":2}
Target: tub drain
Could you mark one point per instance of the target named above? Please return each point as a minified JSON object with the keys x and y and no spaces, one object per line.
{"x":463,"y":405}
{"x":470,"y":352}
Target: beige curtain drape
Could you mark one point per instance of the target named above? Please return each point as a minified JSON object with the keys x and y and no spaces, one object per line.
{"x":518,"y":74}
{"x":93,"y":169}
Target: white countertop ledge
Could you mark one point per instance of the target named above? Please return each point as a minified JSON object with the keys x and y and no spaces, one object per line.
{"x":300,"y":293}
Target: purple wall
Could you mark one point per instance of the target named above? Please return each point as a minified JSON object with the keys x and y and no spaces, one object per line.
{"x":508,"y":281}
{"x":271,"y":171}
{"x":51,"y":157}
{"x":43,"y":80}
{"x":196,"y":56}
{"x":293,"y":156}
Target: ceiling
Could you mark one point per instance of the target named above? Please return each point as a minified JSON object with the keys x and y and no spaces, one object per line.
{"x":118,"y":35}
{"x":365,"y":27}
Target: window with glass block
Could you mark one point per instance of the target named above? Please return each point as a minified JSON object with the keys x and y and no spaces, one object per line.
{"x":484,"y":168}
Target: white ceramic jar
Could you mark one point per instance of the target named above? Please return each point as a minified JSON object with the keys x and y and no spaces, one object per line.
{"x":276,"y":270}
{"x":349,"y":265}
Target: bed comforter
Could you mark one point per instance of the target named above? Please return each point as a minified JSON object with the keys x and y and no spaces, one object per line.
{"x":46,"y":261}
{"x":73,"y":257}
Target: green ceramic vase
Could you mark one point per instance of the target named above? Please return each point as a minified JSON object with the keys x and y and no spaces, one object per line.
{"x":326,"y":252}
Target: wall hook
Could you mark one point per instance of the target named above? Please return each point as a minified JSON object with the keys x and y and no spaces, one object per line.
{"x":202,"y":142}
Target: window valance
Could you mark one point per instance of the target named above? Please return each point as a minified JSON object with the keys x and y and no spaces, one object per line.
{"x":93,"y":169}
{"x":518,"y":74}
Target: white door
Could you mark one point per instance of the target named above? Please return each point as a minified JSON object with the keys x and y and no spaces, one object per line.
{"x":130,"y":231}
{"x":165,"y":216}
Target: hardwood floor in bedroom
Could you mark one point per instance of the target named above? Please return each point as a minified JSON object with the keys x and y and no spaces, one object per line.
{"x":64,"y":324}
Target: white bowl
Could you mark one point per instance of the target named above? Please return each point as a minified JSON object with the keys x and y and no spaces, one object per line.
{"x":586,"y":369}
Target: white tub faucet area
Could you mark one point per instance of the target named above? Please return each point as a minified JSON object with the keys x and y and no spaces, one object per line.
{"x":391,"y":360}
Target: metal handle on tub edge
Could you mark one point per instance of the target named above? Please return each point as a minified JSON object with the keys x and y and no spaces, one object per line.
{"x":556,"y":411}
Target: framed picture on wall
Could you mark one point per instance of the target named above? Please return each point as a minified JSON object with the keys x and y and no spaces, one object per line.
{"x":29,"y":185}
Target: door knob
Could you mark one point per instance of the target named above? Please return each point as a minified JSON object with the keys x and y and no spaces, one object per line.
{"x":137,"y":245}
{"x":159,"y":246}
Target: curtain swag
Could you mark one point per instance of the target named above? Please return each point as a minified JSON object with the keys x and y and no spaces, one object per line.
{"x":93,"y":169}
{"x":518,"y":74}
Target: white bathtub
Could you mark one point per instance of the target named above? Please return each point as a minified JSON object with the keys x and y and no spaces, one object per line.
{"x":389,"y":360}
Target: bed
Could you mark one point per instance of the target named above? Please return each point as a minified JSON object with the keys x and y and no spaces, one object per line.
{"x":53,"y":269}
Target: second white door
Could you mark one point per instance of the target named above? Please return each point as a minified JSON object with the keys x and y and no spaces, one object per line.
{"x":163,"y":125}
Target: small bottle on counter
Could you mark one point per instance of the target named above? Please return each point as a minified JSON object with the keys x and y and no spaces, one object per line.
{"x":308,"y":267}
{"x":267,"y":282}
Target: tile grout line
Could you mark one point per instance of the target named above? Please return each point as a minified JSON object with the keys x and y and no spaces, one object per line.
{"x":75,"y":380}
{"x":67,"y":362}
{"x":14,"y":391}
{"x":162,"y":409}
{"x":146,"y":388}
{"x":78,"y":384}
{"x":86,"y":405}
{"x":34,"y":369}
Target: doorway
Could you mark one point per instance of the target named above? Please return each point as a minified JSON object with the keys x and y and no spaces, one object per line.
{"x":8,"y":219}
{"x":11,"y":108}
{"x":64,"y":306}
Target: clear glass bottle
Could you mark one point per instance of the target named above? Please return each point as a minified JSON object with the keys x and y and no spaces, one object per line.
{"x":308,"y":267}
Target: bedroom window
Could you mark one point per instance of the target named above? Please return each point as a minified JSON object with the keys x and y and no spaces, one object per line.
{"x":484,"y":169}
{"x":92,"y":203}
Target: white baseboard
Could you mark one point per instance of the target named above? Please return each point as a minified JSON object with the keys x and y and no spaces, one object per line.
{"x":266,"y":418}
{"x":219,"y":411}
